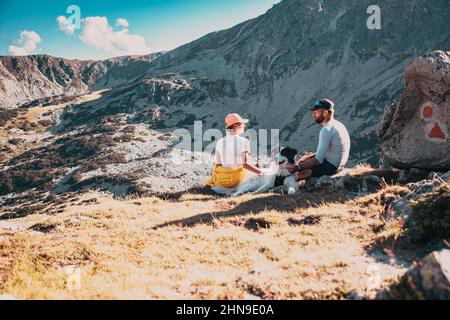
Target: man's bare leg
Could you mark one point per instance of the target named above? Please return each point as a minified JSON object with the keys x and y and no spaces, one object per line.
{"x":306,"y":157}
{"x":304,"y":174}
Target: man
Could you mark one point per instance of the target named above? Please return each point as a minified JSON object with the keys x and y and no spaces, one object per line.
{"x":334,"y":145}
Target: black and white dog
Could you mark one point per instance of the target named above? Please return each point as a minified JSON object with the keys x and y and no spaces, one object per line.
{"x":276,"y":176}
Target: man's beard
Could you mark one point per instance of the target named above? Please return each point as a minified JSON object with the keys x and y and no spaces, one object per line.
{"x":320,"y":119}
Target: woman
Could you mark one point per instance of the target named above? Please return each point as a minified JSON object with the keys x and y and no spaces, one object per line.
{"x":232,"y":155}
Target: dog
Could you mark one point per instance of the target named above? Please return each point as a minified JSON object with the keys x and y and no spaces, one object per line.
{"x":276,"y":176}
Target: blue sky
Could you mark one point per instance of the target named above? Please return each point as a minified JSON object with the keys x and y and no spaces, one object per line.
{"x":154,"y":25}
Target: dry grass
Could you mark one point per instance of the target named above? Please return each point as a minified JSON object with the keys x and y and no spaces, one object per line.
{"x":196,"y":247}
{"x":389,"y":176}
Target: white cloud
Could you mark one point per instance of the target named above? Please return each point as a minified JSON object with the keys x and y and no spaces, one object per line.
{"x":97,"y":32}
{"x":121,"y":22}
{"x":26,"y":44}
{"x":64,"y":25}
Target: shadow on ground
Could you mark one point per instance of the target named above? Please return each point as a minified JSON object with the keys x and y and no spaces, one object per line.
{"x":278,"y":202}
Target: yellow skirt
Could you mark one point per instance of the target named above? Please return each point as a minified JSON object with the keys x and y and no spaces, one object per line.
{"x":225,"y":177}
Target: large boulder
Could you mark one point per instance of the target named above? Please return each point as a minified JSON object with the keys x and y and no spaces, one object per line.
{"x":414,"y":132}
{"x":428,"y":280}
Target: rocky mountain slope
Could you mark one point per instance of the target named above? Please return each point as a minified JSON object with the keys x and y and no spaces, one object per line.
{"x":270,"y":69}
{"x":27,"y":78}
{"x":277,"y":64}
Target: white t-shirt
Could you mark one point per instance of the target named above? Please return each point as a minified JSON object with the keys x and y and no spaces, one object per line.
{"x":230,"y":151}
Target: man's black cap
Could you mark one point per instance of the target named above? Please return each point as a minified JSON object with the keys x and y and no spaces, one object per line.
{"x":325,"y":104}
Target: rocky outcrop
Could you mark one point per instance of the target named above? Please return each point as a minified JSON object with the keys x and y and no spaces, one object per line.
{"x":351,"y":182}
{"x":357,"y":184}
{"x":401,"y":208}
{"x":428,"y":280}
{"x":414,"y":133}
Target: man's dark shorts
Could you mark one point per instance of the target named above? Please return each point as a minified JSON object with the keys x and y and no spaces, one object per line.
{"x":324,"y":169}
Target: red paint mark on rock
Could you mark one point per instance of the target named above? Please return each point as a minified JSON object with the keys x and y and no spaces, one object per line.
{"x":427,"y":112}
{"x":437,"y":132}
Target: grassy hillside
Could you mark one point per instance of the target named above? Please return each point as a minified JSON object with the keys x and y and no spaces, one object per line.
{"x":197,"y":245}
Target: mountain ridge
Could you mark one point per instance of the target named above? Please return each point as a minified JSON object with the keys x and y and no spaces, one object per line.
{"x":27,"y":78}
{"x":277,"y":64}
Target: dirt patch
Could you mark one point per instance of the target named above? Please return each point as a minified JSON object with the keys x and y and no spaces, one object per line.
{"x":43,"y":227}
{"x":308,"y":221}
{"x":256,"y":224}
